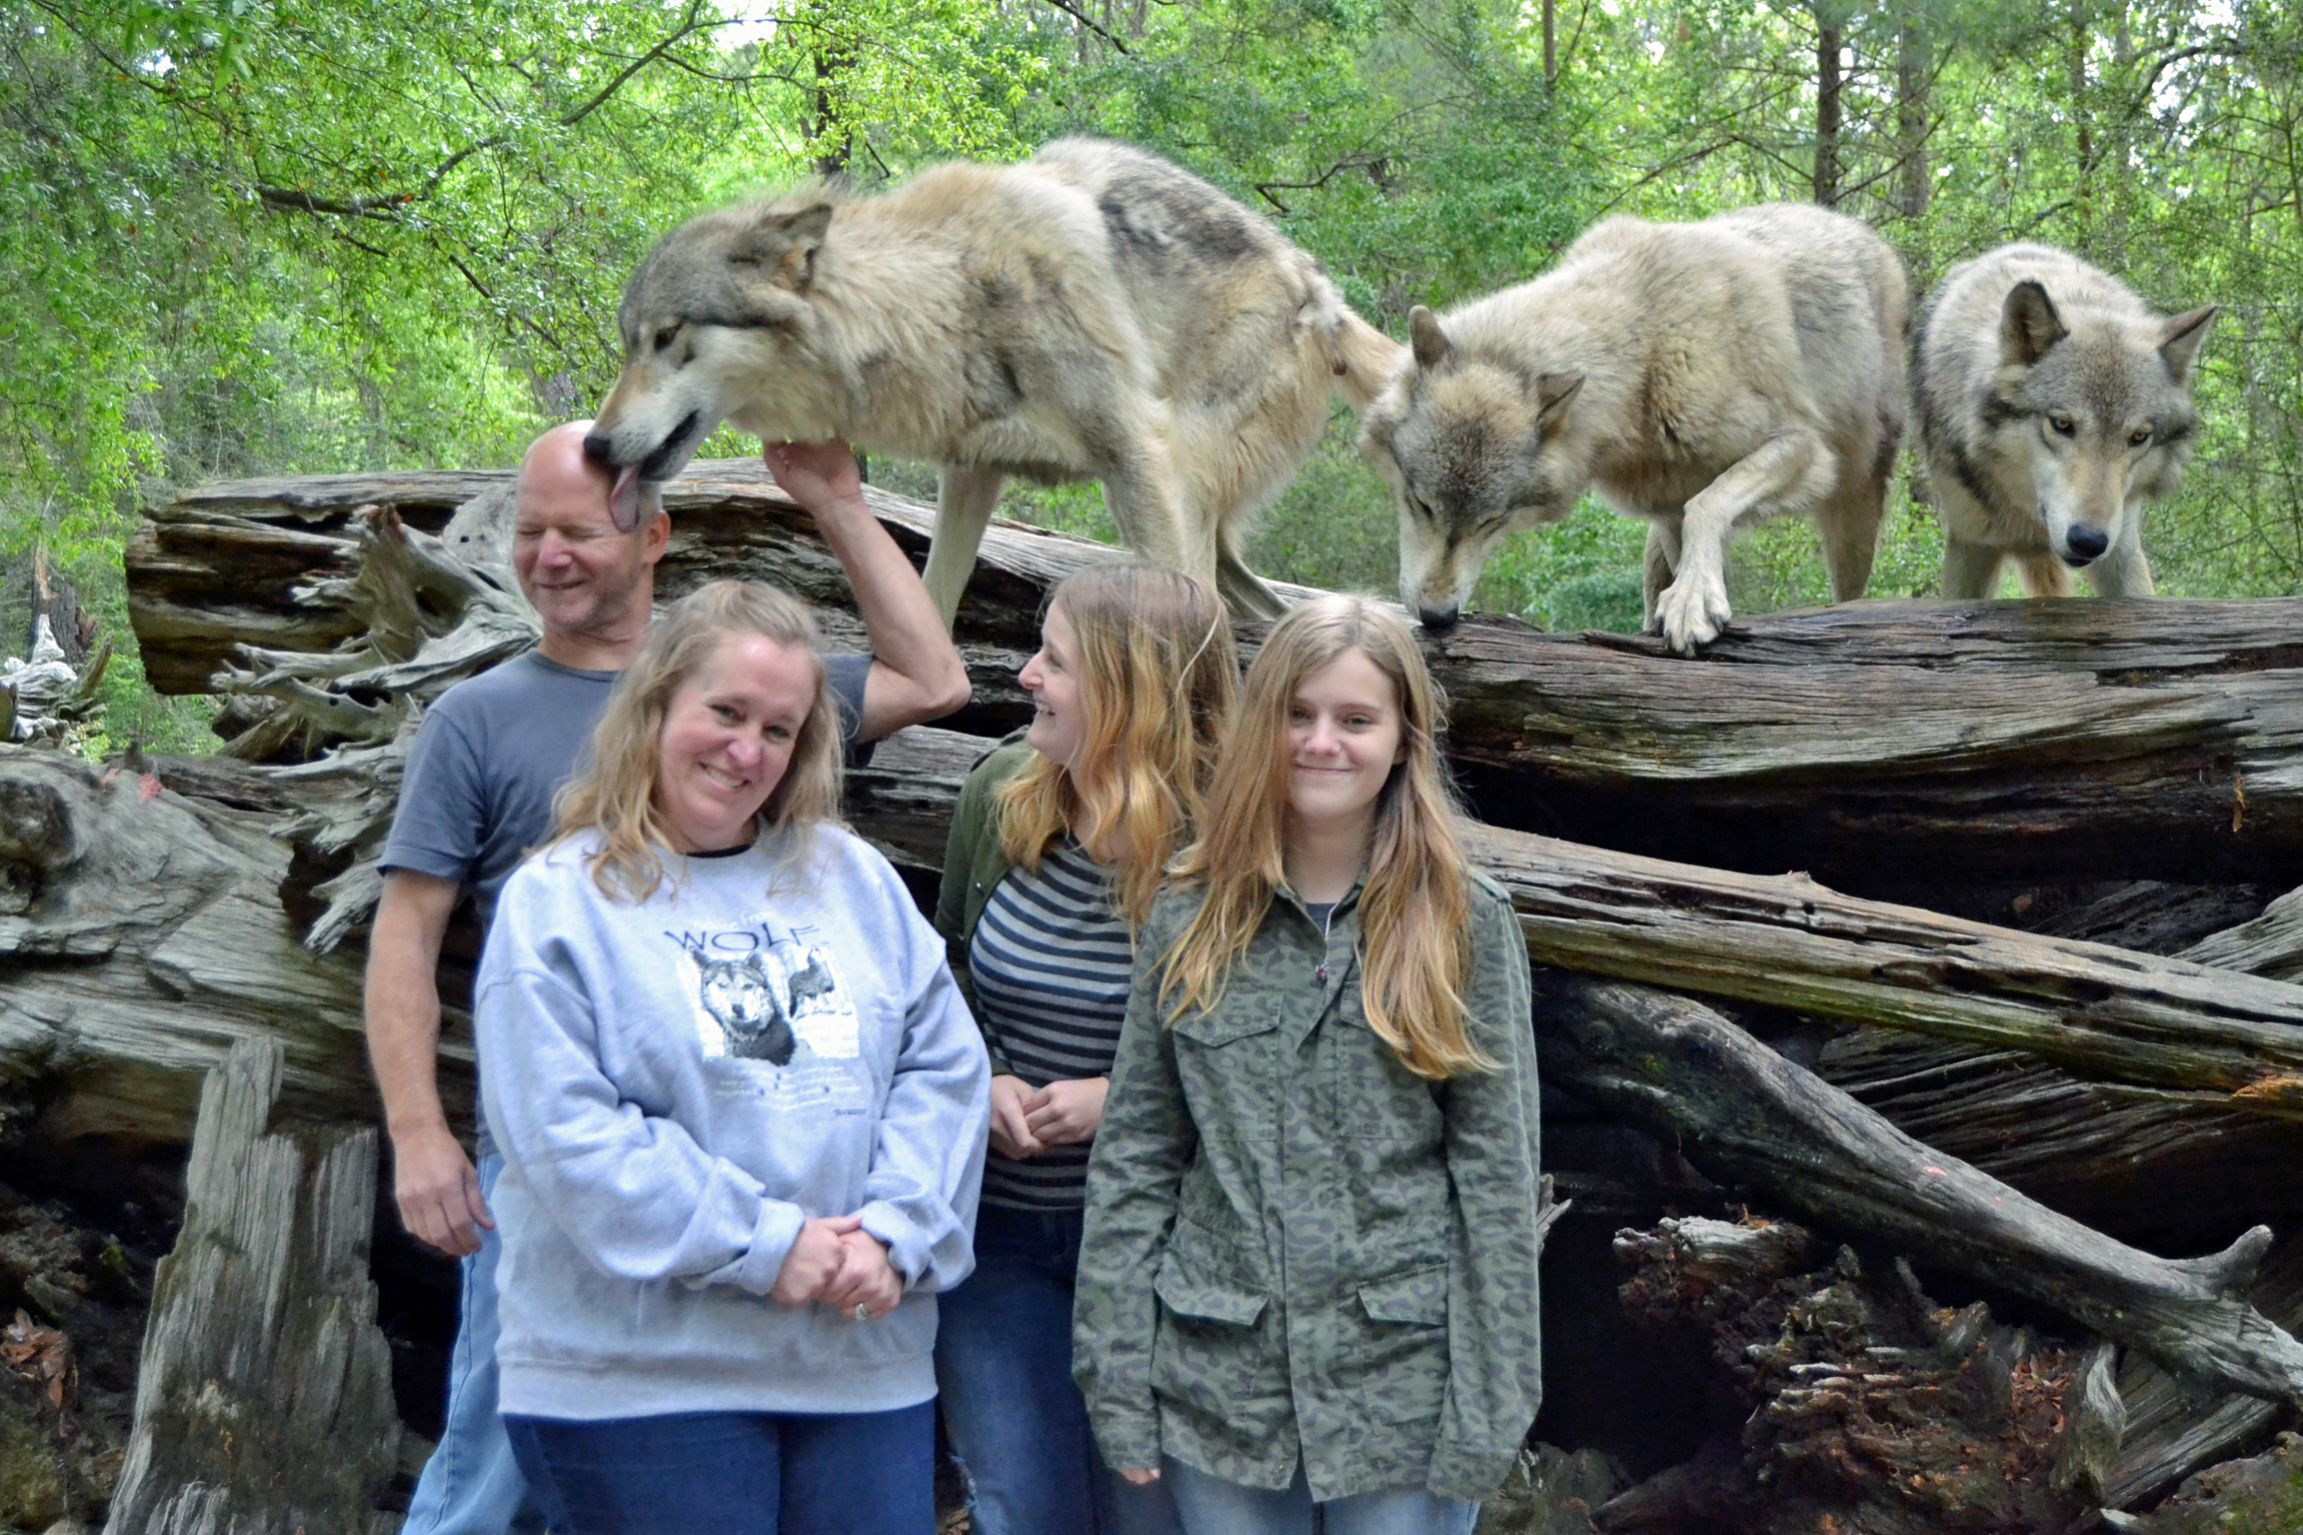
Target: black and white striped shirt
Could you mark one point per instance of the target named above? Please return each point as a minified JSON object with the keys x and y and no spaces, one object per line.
{"x":1050,"y":960}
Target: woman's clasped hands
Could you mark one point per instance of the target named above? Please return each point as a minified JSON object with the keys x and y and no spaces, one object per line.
{"x":836,"y":1264}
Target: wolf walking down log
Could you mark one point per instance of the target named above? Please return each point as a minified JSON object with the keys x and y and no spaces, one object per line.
{"x":1700,"y":376}
{"x":1092,"y":313}
{"x":2054,"y":406}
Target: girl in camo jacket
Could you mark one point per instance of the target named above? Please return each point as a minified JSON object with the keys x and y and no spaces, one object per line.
{"x":1308,"y":1277}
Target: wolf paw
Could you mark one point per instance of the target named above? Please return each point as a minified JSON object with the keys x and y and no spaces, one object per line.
{"x":1692,"y":612}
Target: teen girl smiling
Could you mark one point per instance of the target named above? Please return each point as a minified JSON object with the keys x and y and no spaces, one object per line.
{"x":1308,"y":1278}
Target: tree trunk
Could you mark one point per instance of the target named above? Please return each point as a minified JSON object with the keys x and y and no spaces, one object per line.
{"x":1828,"y":42}
{"x":1914,"y":90}
{"x":264,"y":1399}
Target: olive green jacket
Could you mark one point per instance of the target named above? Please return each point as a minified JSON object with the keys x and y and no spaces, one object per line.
{"x":1296,"y":1247}
{"x":974,"y":865}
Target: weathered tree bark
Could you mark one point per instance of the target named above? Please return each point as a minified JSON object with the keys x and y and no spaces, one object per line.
{"x":2082,"y":1145}
{"x":141,"y":935}
{"x":264,"y":1401}
{"x":2270,"y":945}
{"x":1856,"y":1402}
{"x":1745,"y":1111}
{"x":1789,"y":943}
{"x":1875,"y":742}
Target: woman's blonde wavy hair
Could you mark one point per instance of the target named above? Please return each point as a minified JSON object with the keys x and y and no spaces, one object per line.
{"x":1414,"y":928}
{"x":614,"y":795}
{"x":1158,"y":676}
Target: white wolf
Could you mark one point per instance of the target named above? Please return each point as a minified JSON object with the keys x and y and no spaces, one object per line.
{"x":2054,"y":404}
{"x":1093,"y":313}
{"x":1701,"y":376}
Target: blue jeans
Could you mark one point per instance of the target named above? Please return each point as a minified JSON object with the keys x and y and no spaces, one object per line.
{"x":471,"y":1485}
{"x":1004,"y":1379}
{"x":1212,"y":1506}
{"x":735,"y":1473}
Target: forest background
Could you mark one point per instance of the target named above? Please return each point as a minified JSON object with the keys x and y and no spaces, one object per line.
{"x":249,"y":238}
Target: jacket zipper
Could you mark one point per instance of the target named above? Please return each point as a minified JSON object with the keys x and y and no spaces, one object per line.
{"x":1326,"y":929}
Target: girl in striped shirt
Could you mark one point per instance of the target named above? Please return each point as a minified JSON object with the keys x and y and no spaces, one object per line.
{"x":1057,"y":848}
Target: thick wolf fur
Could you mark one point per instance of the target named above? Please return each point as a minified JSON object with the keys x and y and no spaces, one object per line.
{"x":1093,"y":313}
{"x":1700,"y":376}
{"x":2054,"y":405}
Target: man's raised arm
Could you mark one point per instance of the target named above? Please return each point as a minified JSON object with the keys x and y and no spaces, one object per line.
{"x":916,"y":673}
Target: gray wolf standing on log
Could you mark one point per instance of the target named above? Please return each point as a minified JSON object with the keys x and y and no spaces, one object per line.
{"x":1702,"y":376}
{"x":1093,"y":313}
{"x":2053,"y":404}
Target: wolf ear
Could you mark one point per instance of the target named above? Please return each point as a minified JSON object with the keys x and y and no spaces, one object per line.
{"x":2180,"y":346}
{"x":1430,"y":341}
{"x":1552,"y":392}
{"x":2028,"y":324}
{"x":783,"y":245}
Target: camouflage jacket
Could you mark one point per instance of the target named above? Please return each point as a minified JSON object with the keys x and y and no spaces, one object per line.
{"x":1294,"y":1246}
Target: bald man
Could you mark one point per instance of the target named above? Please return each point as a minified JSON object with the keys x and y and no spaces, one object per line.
{"x":478,"y":795}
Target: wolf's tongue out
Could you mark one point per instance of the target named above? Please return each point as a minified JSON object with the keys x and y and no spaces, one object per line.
{"x":624,"y":500}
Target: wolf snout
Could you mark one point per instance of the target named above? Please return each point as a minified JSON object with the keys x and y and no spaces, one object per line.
{"x":1438,"y":620}
{"x":600,"y":451}
{"x":2083,"y":545}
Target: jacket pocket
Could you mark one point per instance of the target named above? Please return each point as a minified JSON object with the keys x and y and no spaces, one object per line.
{"x":1391,"y":1353}
{"x":1220,"y":1383}
{"x":1417,"y":1298}
{"x":1230,"y":1065}
{"x":1223,"y":1028}
{"x":1187,"y":1295}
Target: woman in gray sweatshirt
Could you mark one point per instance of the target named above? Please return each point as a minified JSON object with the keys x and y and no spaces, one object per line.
{"x":742,"y":1109}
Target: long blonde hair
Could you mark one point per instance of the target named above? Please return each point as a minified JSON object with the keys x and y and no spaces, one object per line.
{"x":1158,"y":676}
{"x":1414,"y":931}
{"x":614,"y":795}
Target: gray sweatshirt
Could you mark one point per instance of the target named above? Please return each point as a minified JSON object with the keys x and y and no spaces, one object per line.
{"x":677,"y":1085}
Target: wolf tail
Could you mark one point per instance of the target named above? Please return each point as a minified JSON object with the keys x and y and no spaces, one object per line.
{"x":1362,"y":356}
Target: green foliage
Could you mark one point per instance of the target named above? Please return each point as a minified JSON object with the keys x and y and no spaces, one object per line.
{"x":284,"y":236}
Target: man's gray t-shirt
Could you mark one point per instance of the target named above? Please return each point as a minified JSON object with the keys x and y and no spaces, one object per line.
{"x":477,"y":793}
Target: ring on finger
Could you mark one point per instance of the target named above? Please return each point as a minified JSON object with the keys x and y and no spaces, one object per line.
{"x":863,"y":1312}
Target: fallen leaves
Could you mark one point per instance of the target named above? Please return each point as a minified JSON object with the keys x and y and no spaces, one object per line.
{"x":43,"y":1356}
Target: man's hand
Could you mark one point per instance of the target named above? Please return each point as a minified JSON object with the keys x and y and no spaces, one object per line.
{"x":866,"y":1278}
{"x":1012,"y":1135}
{"x":815,"y":1257}
{"x":1067,"y":1113}
{"x":438,"y":1191}
{"x":916,"y":675}
{"x":815,"y":474}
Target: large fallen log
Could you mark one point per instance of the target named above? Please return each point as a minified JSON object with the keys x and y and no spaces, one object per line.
{"x":1871,"y":744}
{"x":1746,"y":1112}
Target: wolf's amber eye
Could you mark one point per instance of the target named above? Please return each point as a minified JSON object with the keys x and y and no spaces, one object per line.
{"x":665,"y":337}
{"x":2139,"y":437}
{"x":2063,"y":424}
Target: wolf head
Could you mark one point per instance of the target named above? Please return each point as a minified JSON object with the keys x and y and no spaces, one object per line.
{"x":740,"y":996}
{"x":1470,"y":447}
{"x":716,"y":324}
{"x":2100,"y":410}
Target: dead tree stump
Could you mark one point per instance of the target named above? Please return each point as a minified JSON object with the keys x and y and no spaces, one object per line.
{"x":264,"y":1402}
